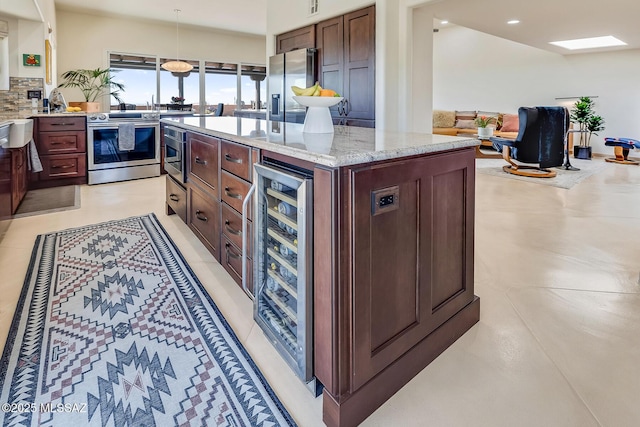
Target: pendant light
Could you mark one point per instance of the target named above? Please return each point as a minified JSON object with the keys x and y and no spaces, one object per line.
{"x":177,"y":66}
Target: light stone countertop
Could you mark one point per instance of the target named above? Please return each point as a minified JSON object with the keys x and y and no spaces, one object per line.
{"x":348,"y":145}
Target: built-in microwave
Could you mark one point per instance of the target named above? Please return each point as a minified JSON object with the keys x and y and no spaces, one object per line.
{"x":175,"y":142}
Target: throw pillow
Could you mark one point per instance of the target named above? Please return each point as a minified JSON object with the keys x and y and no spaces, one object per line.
{"x":444,"y":119}
{"x":466,"y":124}
{"x":465,"y":115}
{"x":510,"y":123}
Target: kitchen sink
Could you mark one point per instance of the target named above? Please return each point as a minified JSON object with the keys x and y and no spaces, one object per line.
{"x":20,"y":132}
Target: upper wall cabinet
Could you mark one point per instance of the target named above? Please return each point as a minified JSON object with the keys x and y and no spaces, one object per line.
{"x":345,"y":61}
{"x":346,"y":64}
{"x":301,"y":38}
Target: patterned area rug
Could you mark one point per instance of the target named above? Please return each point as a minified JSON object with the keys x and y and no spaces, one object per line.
{"x":113,"y":329}
{"x":564,"y":178}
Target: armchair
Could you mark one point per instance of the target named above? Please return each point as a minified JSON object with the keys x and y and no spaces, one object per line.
{"x":540,"y":140}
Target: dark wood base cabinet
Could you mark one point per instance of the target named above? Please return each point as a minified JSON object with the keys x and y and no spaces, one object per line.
{"x":176,"y":199}
{"x":19,"y":176}
{"x":393,"y":275}
{"x":392,"y":260}
{"x":62,"y":146}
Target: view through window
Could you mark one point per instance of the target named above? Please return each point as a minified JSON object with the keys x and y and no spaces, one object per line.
{"x":148,"y":86}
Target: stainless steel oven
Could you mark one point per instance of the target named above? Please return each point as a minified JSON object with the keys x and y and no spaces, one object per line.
{"x":109,"y":160}
{"x":175,"y":142}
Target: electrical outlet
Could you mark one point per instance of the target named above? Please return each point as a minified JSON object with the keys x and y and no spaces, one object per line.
{"x":31,"y":94}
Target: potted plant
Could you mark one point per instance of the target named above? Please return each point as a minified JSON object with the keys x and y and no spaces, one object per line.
{"x":594,"y":125}
{"x":93,"y":84}
{"x":584,"y":115}
{"x":483,"y":122}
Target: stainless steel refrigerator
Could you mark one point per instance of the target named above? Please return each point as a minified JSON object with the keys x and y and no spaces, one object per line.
{"x":295,"y":68}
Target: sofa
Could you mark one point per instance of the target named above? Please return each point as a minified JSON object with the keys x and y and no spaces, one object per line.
{"x":458,"y":123}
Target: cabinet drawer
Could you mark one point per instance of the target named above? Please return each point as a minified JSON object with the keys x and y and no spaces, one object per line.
{"x":236,"y":158}
{"x":63,"y":166}
{"x":231,"y":260}
{"x":57,"y":124}
{"x":204,"y":220}
{"x":234,"y":190}
{"x":232,"y":228}
{"x":203,"y":160}
{"x":177,"y":199}
{"x":61,"y":142}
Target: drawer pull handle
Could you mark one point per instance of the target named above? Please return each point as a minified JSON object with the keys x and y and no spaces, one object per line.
{"x":61,"y":166}
{"x":174,"y":197}
{"x":228,"y":158}
{"x":200,"y":216}
{"x":61,"y":124}
{"x":230,"y":253}
{"x":56,"y":143}
{"x":232,"y":195}
{"x":231,"y":230}
{"x":200,"y":161}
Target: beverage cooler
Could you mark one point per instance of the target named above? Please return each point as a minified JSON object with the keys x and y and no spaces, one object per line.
{"x":283,"y":273}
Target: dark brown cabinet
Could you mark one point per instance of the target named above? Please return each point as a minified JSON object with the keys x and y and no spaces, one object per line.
{"x":176,"y":199}
{"x":346,"y":64}
{"x":219,"y":175}
{"x":19,"y":177}
{"x":204,"y":219}
{"x":300,"y":38}
{"x":5,"y":182}
{"x":393,"y":274}
{"x":203,"y":161}
{"x":235,"y":181}
{"x":62,"y":146}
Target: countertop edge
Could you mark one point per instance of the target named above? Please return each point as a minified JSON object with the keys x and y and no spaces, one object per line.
{"x":328,"y":160}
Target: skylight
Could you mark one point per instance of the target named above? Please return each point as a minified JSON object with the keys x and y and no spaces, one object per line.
{"x":589,"y":43}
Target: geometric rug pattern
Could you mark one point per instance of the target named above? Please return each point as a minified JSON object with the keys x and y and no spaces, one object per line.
{"x":112,"y":328}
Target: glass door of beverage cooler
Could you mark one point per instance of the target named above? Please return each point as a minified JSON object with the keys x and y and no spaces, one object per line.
{"x":283,"y":264}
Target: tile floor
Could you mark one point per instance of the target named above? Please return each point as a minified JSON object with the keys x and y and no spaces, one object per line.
{"x":557,"y":272}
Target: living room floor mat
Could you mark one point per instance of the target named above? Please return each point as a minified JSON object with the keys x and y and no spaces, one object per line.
{"x":113,"y":329}
{"x":564,"y":178}
{"x":48,"y":200}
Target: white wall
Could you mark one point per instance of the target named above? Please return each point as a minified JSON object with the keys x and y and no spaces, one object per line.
{"x":84,"y":40}
{"x":476,"y":71}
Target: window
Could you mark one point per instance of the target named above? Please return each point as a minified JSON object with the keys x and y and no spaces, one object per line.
{"x":221,"y":86}
{"x":183,"y":87}
{"x":253,"y":87}
{"x":137,"y":73}
{"x":230,"y":84}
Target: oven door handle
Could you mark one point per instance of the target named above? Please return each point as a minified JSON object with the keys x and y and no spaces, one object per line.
{"x":245,"y":224}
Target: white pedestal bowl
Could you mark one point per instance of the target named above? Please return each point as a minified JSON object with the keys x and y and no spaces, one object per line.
{"x":318,"y":118}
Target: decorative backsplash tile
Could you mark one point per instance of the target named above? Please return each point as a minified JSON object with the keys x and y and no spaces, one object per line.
{"x":14,"y":102}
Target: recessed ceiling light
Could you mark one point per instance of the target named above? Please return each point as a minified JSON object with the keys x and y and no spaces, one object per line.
{"x":589,"y":43}
{"x":444,"y":22}
{"x":513,"y":22}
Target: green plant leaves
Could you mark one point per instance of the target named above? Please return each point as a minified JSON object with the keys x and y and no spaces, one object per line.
{"x":93,"y":83}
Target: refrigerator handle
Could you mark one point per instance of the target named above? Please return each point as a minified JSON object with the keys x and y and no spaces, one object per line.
{"x":245,"y":220}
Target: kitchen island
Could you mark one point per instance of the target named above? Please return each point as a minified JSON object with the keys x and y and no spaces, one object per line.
{"x":393,"y":221}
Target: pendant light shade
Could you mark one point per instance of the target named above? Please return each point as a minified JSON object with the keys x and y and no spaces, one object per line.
{"x":177,"y":66}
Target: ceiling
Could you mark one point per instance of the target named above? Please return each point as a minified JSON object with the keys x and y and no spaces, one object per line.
{"x":245,"y":16}
{"x":542,"y":21}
